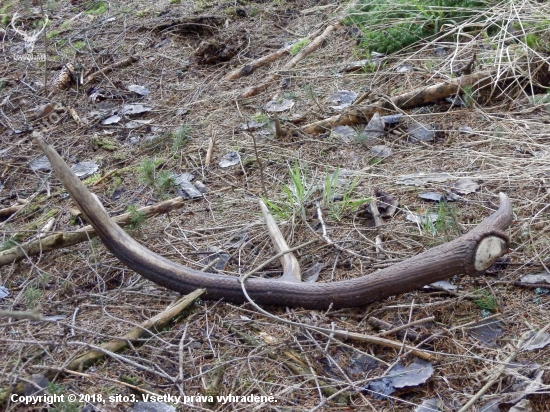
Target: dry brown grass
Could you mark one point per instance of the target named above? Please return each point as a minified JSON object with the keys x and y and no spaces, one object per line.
{"x":100,"y":300}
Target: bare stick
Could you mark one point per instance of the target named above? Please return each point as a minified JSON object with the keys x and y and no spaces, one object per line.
{"x":251,"y":67}
{"x":375,"y":212}
{"x":211,"y":145}
{"x":408,"y":325}
{"x":8,"y":211}
{"x":311,"y":47}
{"x":417,"y":97}
{"x":32,"y":314}
{"x":122,"y":63}
{"x":64,"y":239}
{"x":155,"y":322}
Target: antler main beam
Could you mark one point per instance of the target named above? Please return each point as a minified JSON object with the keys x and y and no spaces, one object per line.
{"x":469,"y":254}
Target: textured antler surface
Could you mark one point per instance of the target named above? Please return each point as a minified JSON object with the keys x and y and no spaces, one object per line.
{"x":468,"y":254}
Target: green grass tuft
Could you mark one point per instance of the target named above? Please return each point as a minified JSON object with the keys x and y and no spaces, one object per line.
{"x":391,"y":25}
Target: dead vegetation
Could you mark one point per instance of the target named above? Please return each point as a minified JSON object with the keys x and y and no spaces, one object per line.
{"x":151,"y":94}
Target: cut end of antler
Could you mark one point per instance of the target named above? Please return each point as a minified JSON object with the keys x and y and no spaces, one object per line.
{"x":488,"y":251}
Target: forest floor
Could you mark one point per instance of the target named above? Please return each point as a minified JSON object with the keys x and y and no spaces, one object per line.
{"x":470,"y":326}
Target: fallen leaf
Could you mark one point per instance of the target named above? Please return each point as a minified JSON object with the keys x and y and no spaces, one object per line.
{"x":432,"y":196}
{"x":134,"y":109}
{"x":111,"y":120}
{"x":142,"y":91}
{"x":4,"y":293}
{"x":422,"y":218}
{"x":379,"y":389}
{"x":346,"y":133}
{"x":312,"y":274}
{"x":444,"y":285}
{"x":465,"y":186}
{"x":400,"y":376}
{"x":414,"y":374}
{"x":538,"y":341}
{"x":543,"y":277}
{"x":381,"y":151}
{"x":421,"y":132}
{"x":42,"y":164}
{"x":429,"y":405}
{"x":186,"y":189}
{"x":84,"y":169}
{"x":230,"y":159}
{"x":487,"y":331}
{"x":341,"y":99}
{"x":276,"y":106}
{"x":374,"y":129}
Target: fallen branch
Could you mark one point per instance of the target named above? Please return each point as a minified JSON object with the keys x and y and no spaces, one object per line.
{"x":30,"y":314}
{"x":120,"y":64}
{"x":65,"y":239}
{"x":311,"y":47}
{"x":414,"y":98}
{"x":156,"y":322}
{"x":251,"y":67}
{"x":8,"y":211}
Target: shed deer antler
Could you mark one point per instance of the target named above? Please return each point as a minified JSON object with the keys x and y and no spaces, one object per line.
{"x":29,"y":40}
{"x":469,"y":254}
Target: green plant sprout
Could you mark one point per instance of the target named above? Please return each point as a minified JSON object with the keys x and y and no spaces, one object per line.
{"x":299,"y":45}
{"x":338,"y":204}
{"x":136,"y":217}
{"x":486,"y":301}
{"x":180,"y":137}
{"x":161,"y":182}
{"x":295,"y":195}
{"x":301,"y":189}
{"x":97,"y":8}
